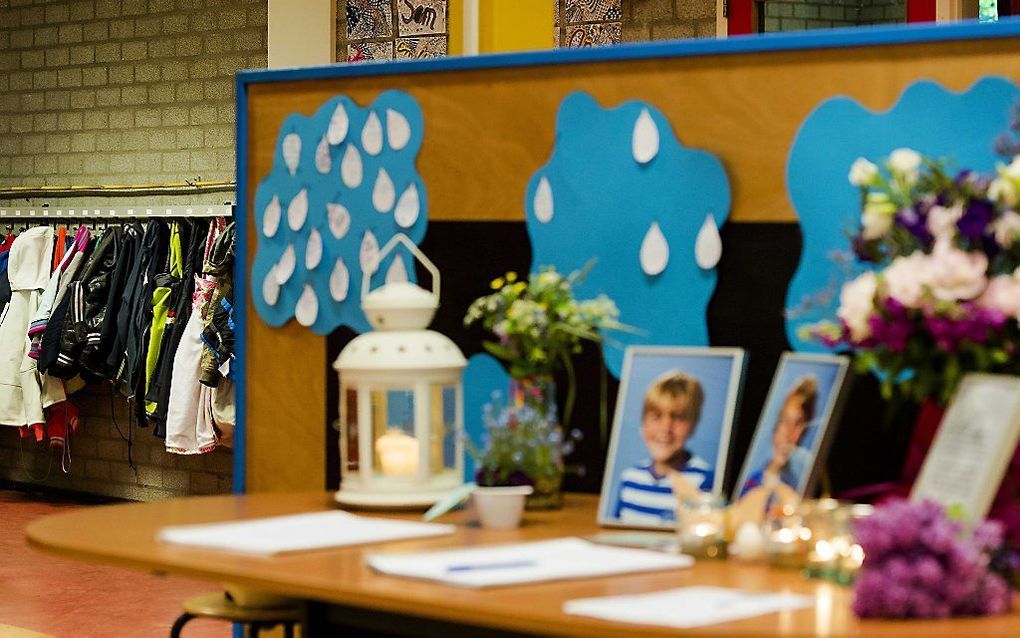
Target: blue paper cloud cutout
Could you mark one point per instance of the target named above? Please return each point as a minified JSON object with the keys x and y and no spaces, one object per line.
{"x":961,"y":127}
{"x":328,"y":187}
{"x":604,"y":203}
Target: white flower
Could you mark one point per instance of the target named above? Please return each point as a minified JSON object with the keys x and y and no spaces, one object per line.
{"x":956,"y":274}
{"x":857,"y":303}
{"x":1004,"y":189}
{"x":942,"y":220}
{"x":877,"y":218}
{"x":1007,"y":228}
{"x":863,"y":172}
{"x":906,"y":279}
{"x":1002,"y":294}
{"x":905,"y":162}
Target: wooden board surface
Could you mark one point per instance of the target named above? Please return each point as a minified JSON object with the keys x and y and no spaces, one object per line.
{"x":125,"y":535}
{"x":487,"y":131}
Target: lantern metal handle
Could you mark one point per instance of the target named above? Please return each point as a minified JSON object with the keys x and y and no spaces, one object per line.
{"x":400,"y":238}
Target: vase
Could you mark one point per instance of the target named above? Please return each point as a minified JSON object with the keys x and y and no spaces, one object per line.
{"x":500,"y":507}
{"x":539,"y":393}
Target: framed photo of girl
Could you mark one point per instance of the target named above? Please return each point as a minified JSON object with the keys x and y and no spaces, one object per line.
{"x":671,"y":431}
{"x":794,"y":430}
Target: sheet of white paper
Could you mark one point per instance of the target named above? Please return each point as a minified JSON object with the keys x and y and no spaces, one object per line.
{"x":558,"y":559}
{"x":267,"y":536}
{"x":686,"y":607}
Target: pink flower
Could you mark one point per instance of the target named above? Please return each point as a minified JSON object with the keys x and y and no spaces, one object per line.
{"x":942,"y":220}
{"x":857,"y":303}
{"x":956,"y":274}
{"x":906,"y":278}
{"x":1003,"y":294}
{"x":1007,"y":228}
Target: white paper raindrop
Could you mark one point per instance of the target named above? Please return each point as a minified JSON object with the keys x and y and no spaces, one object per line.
{"x":323,"y":162}
{"x":398,"y":130}
{"x":543,"y":201}
{"x":271,"y":217}
{"x":339,"y":281}
{"x":313,"y":252}
{"x":408,"y":206}
{"x":708,"y":245}
{"x":307,"y":309}
{"x":339,"y":219}
{"x":397,"y":272}
{"x":371,"y":135}
{"x":369,"y":252}
{"x":285,"y":267}
{"x":645,"y":141}
{"x":350,"y":167}
{"x":297,"y":210}
{"x":383,"y":193}
{"x":292,"y":151}
{"x":338,"y":123}
{"x":654,"y":251}
{"x":270,"y":287}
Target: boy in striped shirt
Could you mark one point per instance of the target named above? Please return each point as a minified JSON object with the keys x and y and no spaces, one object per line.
{"x":648,"y":490}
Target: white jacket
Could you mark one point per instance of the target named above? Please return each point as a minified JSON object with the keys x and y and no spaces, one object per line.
{"x":21,"y":401}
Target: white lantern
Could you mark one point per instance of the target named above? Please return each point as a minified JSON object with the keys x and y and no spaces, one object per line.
{"x":401,"y":398}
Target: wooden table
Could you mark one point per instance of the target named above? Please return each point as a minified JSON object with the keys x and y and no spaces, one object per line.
{"x":340,"y":590}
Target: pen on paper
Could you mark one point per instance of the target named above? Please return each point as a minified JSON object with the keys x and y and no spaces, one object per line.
{"x":480,"y":566}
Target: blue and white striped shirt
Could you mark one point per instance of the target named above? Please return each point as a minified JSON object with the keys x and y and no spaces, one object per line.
{"x":647,"y":498}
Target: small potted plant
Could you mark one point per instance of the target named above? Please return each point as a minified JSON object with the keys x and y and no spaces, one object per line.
{"x":519,"y":449}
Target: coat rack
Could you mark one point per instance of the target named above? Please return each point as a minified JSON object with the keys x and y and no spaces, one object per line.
{"x":46,"y":213}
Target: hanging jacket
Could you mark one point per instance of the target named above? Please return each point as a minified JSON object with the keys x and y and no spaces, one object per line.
{"x":60,"y":280}
{"x":96,"y":293}
{"x":218,"y":334}
{"x":114,"y":331}
{"x":153,"y":259}
{"x":5,"y":284}
{"x":28,"y":271}
{"x":167,"y":284}
{"x":87,"y":304}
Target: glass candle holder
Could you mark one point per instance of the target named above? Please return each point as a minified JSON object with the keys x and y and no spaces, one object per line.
{"x":786,"y":538}
{"x":702,"y":526}
{"x":824,"y":518}
{"x":851,"y":554}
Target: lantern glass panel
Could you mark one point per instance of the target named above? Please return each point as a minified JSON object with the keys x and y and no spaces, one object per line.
{"x":444,"y":428}
{"x":349,"y":419}
{"x":396,"y":448}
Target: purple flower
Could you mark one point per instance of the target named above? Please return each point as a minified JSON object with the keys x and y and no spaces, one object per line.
{"x":914,"y":219}
{"x":976,"y":217}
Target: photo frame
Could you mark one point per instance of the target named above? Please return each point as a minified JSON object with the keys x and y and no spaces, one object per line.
{"x":794,"y":430}
{"x":976,"y":440}
{"x":671,"y":431}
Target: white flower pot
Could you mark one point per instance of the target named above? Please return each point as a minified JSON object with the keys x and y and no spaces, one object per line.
{"x":500,"y":507}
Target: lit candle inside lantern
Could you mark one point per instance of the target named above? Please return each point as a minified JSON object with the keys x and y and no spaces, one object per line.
{"x":398,"y":453}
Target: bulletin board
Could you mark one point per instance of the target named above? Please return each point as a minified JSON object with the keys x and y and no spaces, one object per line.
{"x":490,"y":124}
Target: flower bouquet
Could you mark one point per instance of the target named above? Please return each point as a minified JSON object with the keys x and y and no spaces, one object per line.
{"x":943,"y":295}
{"x":918,"y":563}
{"x":539,"y":326}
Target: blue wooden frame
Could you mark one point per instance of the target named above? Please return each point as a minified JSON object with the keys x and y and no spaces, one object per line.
{"x":884,"y":35}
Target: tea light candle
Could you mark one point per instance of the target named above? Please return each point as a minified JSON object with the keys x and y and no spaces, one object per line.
{"x":398,"y":453}
{"x":749,"y":542}
{"x":785,"y":546}
{"x":702,"y":526}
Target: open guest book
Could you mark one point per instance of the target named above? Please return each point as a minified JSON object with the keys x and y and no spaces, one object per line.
{"x":298,"y":532}
{"x":559,"y":559}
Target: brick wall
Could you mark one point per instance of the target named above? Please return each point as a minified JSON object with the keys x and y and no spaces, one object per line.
{"x":668,"y":19}
{"x":795,"y":15}
{"x":111,"y":91}
{"x":123,"y":91}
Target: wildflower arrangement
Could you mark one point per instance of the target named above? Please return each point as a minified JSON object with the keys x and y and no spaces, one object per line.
{"x":942,"y":297}
{"x":918,"y":563}
{"x":520,"y":446}
{"x":537,"y":323}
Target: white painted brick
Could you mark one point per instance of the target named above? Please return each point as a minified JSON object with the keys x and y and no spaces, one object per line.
{"x":57,"y":57}
{"x":31,"y":101}
{"x":58,"y":100}
{"x":82,"y":10}
{"x":175,"y":116}
{"x":45,"y":36}
{"x":134,"y":140}
{"x":147,"y":118}
{"x":163,"y":139}
{"x":83,"y":142}
{"x":162,"y":93}
{"x":83,"y":54}
{"x":189,"y":92}
{"x":107,"y":8}
{"x":108,"y":52}
{"x":96,"y":31}
{"x":83,"y":99}
{"x":189,"y":137}
{"x":147,"y":72}
{"x":122,"y":74}
{"x":70,"y":121}
{"x":108,"y":140}
{"x":203,"y":114}
{"x":203,"y":161}
{"x":45,"y":164}
{"x":135,"y":50}
{"x":57,"y":13}
{"x":70,"y":33}
{"x":122,"y":29}
{"x":44,"y":79}
{"x":21,"y":39}
{"x":108,"y":96}
{"x":94,"y":76}
{"x":122,"y":118}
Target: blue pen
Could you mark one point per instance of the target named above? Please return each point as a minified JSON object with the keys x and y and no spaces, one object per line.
{"x":479,"y":566}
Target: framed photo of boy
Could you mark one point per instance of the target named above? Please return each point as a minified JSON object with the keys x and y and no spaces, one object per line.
{"x":671,"y":431}
{"x":793,"y":433}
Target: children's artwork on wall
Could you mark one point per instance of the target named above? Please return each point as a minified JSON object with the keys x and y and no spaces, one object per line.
{"x":368,"y":19}
{"x":343,"y":182}
{"x":961,"y":127}
{"x":360,"y":51}
{"x":793,"y":432}
{"x":421,"y":17}
{"x":424,"y":47}
{"x":671,"y":432}
{"x":620,"y":187}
